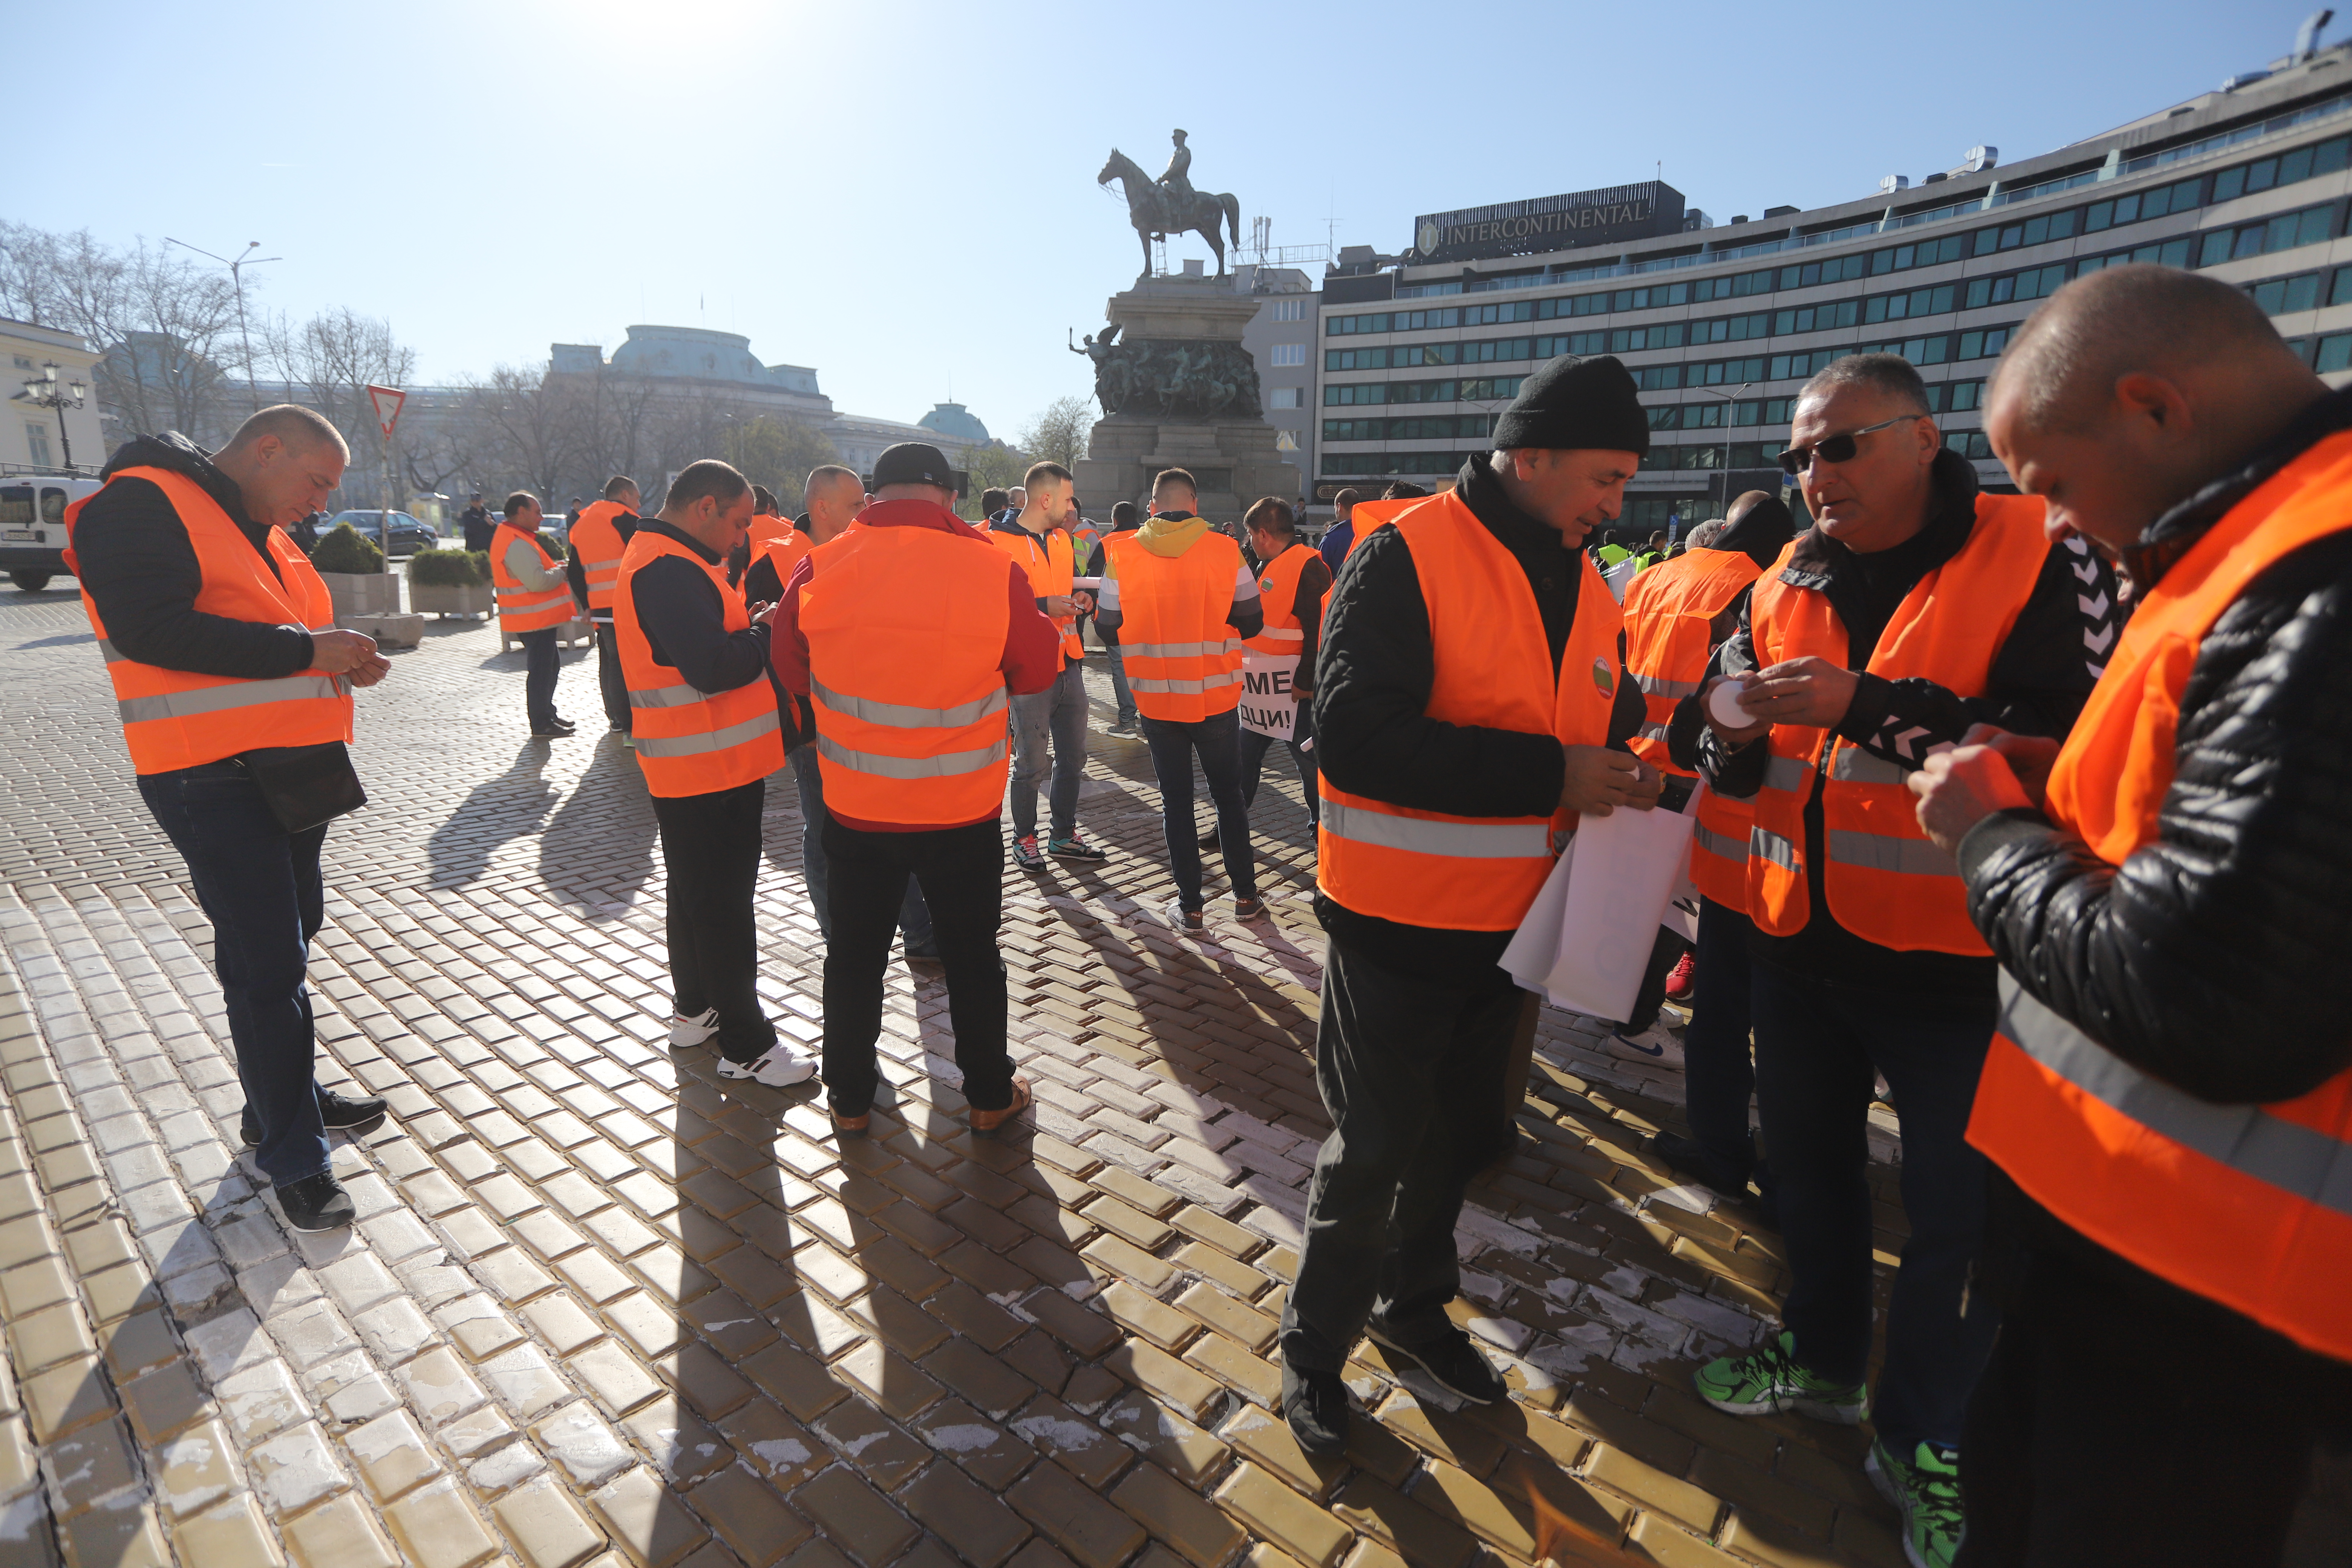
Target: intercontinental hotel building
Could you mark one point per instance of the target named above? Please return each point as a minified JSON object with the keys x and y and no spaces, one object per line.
{"x":1417,"y":352}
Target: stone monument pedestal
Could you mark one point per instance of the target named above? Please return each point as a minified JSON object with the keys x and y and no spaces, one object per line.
{"x":1231,"y":450}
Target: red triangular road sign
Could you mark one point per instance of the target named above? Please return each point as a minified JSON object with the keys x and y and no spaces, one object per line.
{"x":387,"y":401}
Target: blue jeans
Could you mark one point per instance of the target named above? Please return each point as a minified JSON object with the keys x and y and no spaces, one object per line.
{"x":259,"y":886}
{"x":1055,"y":715}
{"x":1816,"y":1044}
{"x":914,"y":915}
{"x":1255,"y":746}
{"x":1218,"y":742}
{"x":1117,"y":658}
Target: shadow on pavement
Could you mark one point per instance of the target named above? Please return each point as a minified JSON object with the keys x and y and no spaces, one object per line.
{"x":510,"y":807}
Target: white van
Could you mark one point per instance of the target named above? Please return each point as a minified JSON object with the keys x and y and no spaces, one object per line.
{"x":33,"y":525}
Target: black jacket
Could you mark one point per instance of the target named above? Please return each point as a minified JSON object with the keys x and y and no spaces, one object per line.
{"x":139,"y":569}
{"x":1373,"y":735}
{"x":2040,"y":679}
{"x":2213,"y":958}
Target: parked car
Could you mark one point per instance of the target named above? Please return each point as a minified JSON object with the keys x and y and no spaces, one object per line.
{"x":408,"y":533}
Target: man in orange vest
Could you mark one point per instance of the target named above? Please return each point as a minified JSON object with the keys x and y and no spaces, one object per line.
{"x":535,"y":607}
{"x":1178,"y":599}
{"x":835,"y":496}
{"x":1037,"y":539}
{"x":220,"y":643}
{"x":1675,"y":617}
{"x":767,"y":519}
{"x":1915,"y":608}
{"x":1278,"y":664}
{"x":911,"y":633}
{"x":598,"y":535}
{"x":1124,"y":518}
{"x":2168,"y":1104}
{"x":1470,"y":702}
{"x":707,"y":736}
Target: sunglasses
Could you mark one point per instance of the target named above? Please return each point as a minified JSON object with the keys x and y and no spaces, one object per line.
{"x":1834,"y":448}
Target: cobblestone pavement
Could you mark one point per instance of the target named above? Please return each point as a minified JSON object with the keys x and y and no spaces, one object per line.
{"x":601,"y":1307}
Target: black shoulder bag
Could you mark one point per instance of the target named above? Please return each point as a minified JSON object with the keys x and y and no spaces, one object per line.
{"x":305,"y":787}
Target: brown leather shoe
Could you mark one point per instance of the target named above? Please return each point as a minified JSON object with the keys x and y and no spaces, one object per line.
{"x":989,"y":1123}
{"x":852,"y":1126}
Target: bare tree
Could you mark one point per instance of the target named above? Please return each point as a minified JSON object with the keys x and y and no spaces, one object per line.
{"x":530,"y":423}
{"x":779,"y":454}
{"x":1058,"y":432}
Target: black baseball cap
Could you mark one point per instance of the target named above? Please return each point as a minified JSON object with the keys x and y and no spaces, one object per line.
{"x":915,"y":463}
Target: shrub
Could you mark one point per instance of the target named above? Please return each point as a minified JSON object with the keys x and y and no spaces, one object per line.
{"x":552,"y":545}
{"x":448,"y":569}
{"x":346,"y":548}
{"x":481,"y":560}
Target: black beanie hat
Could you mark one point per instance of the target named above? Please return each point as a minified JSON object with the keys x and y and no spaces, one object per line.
{"x":1576,"y":403}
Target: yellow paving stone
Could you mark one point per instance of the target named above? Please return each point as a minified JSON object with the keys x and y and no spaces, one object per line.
{"x":340,"y":1534}
{"x":648,"y":1521}
{"x":546,"y":1528}
{"x":127,"y":1537}
{"x":438,"y":1529}
{"x":392,"y":1454}
{"x":234,"y":1532}
{"x":197,"y":1469}
{"x":1154,"y":1320}
{"x":1273,"y":1510}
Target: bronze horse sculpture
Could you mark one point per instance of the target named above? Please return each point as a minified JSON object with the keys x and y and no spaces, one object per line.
{"x":1147,"y":205}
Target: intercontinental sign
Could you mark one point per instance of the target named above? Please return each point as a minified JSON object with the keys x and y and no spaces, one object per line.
{"x":1608,"y":216}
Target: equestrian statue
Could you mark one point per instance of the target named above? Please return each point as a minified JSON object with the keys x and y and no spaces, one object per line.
{"x":1169,"y":204}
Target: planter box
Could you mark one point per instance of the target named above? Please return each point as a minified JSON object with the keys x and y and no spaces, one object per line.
{"x":389,"y":631}
{"x":443,"y":599}
{"x":362,"y":593}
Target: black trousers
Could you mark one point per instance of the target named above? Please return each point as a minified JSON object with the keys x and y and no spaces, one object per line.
{"x":710,"y":844}
{"x":541,"y":666}
{"x":2122,"y":1419}
{"x":1411,"y":1072}
{"x":1718,"y":1074}
{"x":961,"y":873}
{"x":610,"y":683}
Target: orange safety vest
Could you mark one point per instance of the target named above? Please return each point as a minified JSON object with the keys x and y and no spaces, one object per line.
{"x":1668,"y":611}
{"x":1183,"y":661}
{"x":599,"y":541}
{"x":522,"y":609}
{"x":1284,"y":633}
{"x":1051,"y":562}
{"x":1890,"y":884}
{"x":765,"y":527}
{"x":175,"y":719}
{"x":784,"y":549}
{"x":691,"y":742}
{"x":1368,"y":517}
{"x":905,"y":631}
{"x":2246,"y":1204}
{"x":1495,"y":670}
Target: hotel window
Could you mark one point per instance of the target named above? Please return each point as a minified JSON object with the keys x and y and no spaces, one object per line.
{"x":1287,"y":353}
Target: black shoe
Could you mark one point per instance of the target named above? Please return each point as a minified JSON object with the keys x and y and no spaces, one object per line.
{"x":316,"y":1203}
{"x":1315,"y":1404}
{"x":1454,"y":1363}
{"x":1688,"y":1157}
{"x":341,"y":1114}
{"x":539,"y":734}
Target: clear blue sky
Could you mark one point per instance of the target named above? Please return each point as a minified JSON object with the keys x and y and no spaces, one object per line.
{"x":902,"y":195}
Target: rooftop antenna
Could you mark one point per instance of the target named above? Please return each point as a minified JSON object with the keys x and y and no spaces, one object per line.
{"x":2306,"y":38}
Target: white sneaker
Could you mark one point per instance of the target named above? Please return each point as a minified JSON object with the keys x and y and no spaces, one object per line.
{"x":693,"y":1031}
{"x":780,"y":1069}
{"x":1651,"y":1044}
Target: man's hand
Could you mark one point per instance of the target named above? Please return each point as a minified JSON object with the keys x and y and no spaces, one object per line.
{"x":369,"y":671}
{"x":338,"y":652}
{"x":1598,"y":781}
{"x":764,"y":614}
{"x":1084,"y":601}
{"x":1958,"y":789}
{"x":2029,"y":757}
{"x":1731,"y":737}
{"x":1808,"y":691}
{"x":1060,"y":605}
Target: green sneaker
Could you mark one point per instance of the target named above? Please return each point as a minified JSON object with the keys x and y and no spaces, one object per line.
{"x":1928,"y":1490}
{"x":1769,"y":1380}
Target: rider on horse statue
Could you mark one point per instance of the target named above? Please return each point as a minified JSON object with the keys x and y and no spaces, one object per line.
{"x":1177,"y":182}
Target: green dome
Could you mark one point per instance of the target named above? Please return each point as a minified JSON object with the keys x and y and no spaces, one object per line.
{"x":954,"y":423}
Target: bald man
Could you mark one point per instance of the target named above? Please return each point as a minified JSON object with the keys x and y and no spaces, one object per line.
{"x":834,"y":496}
{"x":2168,"y":1106}
{"x":219,"y":638}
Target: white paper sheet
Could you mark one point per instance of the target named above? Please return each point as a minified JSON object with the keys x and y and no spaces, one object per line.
{"x":1586,"y":939}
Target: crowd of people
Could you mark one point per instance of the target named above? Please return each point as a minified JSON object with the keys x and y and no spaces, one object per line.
{"x":2022,"y":811}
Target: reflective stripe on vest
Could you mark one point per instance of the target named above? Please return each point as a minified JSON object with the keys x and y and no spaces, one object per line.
{"x":1718,"y":843}
{"x":1880,"y":877}
{"x":906,"y":626}
{"x":1658,"y":686}
{"x":598,"y":539}
{"x":1670,"y":615}
{"x":1494,"y":669}
{"x":1180,"y":649}
{"x":1283,"y":632}
{"x":690,"y":742}
{"x":174,"y":719}
{"x":1439,"y":835}
{"x":522,"y":609}
{"x":1207,"y":683}
{"x":1718,"y":867}
{"x":2248,"y":1206}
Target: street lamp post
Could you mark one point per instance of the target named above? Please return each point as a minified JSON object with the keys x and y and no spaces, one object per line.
{"x":236,"y":278}
{"x":1733,"y":399}
{"x":44,"y":392}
